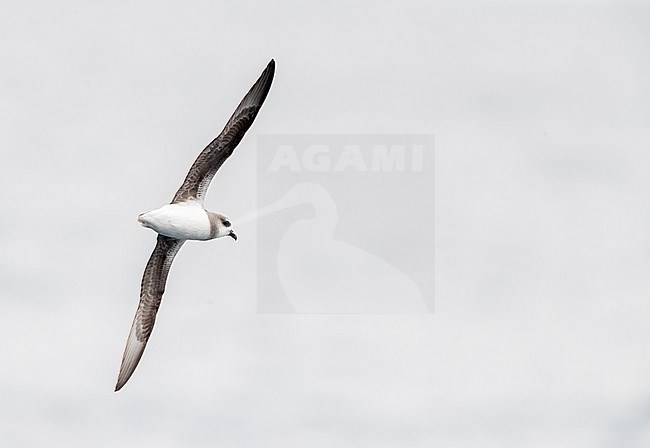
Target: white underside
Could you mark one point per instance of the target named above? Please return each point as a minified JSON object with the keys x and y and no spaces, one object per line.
{"x":187,"y":221}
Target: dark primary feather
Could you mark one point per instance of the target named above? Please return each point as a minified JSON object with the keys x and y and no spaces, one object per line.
{"x":151,"y":292}
{"x":212,"y":157}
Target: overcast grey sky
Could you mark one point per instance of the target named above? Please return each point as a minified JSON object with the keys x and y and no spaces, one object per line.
{"x":540,"y":335}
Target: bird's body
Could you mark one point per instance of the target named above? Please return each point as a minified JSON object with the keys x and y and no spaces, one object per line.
{"x":185,"y":218}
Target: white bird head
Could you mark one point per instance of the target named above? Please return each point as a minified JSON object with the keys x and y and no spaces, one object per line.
{"x":220,"y":226}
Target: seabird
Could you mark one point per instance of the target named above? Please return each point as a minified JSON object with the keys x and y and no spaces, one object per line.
{"x":186,"y":219}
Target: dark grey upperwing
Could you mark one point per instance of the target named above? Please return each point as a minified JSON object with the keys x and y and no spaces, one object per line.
{"x":151,"y":292}
{"x":212,"y":157}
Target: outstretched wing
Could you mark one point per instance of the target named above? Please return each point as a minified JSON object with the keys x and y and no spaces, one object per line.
{"x":212,"y":157}
{"x":151,"y":292}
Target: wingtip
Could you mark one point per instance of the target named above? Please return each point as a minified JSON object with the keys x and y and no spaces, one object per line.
{"x":271,"y":67}
{"x":120,"y":384}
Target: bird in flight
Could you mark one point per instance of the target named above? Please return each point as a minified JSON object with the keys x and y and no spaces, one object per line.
{"x":186,"y":219}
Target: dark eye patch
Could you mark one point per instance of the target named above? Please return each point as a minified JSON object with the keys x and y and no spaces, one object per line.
{"x":226,"y":223}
